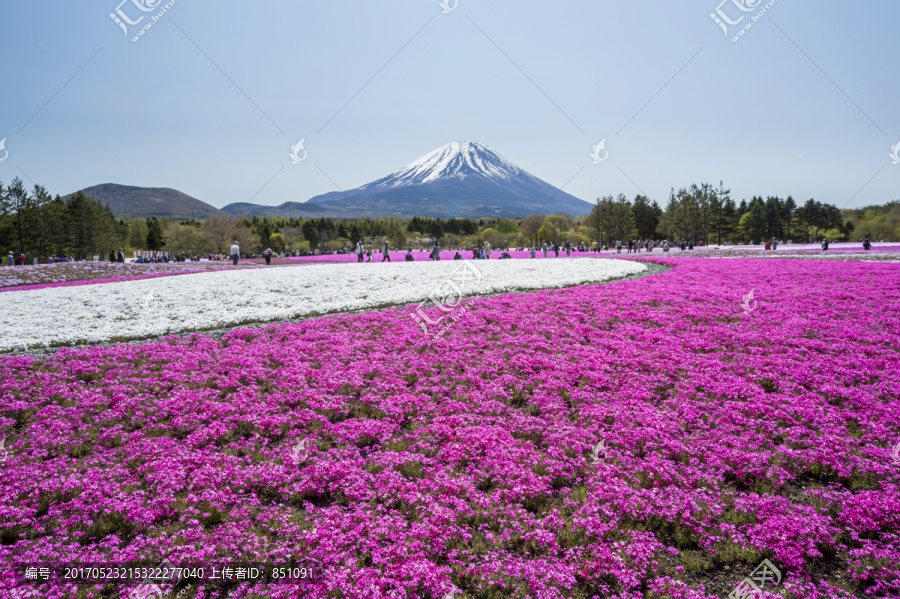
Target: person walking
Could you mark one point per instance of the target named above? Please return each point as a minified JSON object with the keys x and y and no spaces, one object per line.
{"x":867,"y":245}
{"x":435,"y":252}
{"x":369,"y":253}
{"x":618,"y":246}
{"x":544,"y":247}
{"x":556,"y":249}
{"x":568,"y":249}
{"x":825,"y":245}
{"x":360,"y":250}
{"x":268,"y":256}
{"x":235,"y":253}
{"x":10,"y":261}
{"x":487,"y":249}
{"x":385,"y":253}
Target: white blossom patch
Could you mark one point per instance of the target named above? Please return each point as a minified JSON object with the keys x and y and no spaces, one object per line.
{"x":150,"y":308}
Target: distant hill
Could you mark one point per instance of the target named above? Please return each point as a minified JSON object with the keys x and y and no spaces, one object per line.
{"x":161,"y":202}
{"x":461,"y":179}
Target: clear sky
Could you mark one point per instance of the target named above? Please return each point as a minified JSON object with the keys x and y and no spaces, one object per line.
{"x":213,"y":96}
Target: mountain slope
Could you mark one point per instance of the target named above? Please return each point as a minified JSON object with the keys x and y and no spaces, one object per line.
{"x":127,"y":202}
{"x":287,"y":210}
{"x":461,"y":179}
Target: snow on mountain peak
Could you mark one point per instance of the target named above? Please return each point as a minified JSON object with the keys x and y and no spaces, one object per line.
{"x":458,"y":159}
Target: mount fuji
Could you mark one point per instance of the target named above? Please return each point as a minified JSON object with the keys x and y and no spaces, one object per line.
{"x":460,"y":179}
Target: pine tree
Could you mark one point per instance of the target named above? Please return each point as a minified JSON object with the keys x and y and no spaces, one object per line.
{"x":137,"y":233}
{"x":155,"y":239}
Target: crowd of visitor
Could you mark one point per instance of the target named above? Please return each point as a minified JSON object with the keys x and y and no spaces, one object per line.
{"x":367,"y":253}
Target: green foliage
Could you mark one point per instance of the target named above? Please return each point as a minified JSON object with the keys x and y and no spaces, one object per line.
{"x":507,"y":227}
{"x":612,"y":218}
{"x":37,"y":225}
{"x":703,"y":213}
{"x":879,"y":223}
{"x":184,"y":238}
{"x":155,"y":239}
{"x":276,"y":242}
{"x":646,"y":215}
{"x":137,"y":234}
{"x":531,"y":227}
{"x":437,"y":228}
{"x":548,"y":234}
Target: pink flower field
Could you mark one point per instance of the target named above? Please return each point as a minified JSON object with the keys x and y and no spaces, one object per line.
{"x":651,"y":438}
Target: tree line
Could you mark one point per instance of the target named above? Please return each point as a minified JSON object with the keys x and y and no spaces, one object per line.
{"x":704,"y":213}
{"x":38,"y":225}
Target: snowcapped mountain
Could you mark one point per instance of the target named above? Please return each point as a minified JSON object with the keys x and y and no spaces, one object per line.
{"x":460,"y":179}
{"x":459,"y":159}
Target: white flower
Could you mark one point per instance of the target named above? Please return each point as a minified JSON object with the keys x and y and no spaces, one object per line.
{"x":104,"y":312}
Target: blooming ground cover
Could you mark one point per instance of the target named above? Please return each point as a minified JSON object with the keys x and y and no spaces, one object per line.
{"x":142,"y":309}
{"x":886,"y":253}
{"x":472,"y":463}
{"x":35,"y":276}
{"x":66,"y":274}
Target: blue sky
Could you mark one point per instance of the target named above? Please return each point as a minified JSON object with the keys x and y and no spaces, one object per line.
{"x":212,"y":97}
